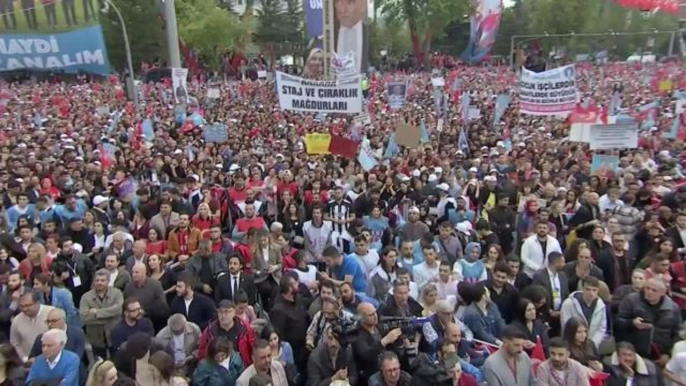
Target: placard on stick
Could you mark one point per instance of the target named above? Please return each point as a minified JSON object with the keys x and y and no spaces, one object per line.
{"x":216,"y":133}
{"x":408,"y":135}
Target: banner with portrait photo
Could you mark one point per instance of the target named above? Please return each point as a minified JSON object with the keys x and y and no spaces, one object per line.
{"x":397,"y":94}
{"x":551,"y":92}
{"x":62,"y":36}
{"x":351,"y":31}
{"x":180,"y":85}
{"x":299,"y":94}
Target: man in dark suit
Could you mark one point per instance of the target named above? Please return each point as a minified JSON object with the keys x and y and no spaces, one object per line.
{"x":350,"y":33}
{"x":554,"y":280}
{"x":196,"y":307}
{"x":229,"y":285}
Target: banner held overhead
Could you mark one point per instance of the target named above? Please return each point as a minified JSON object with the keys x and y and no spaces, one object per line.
{"x":552,"y":92}
{"x":298,"y":94}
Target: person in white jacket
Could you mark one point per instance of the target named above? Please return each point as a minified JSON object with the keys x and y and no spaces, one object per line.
{"x":536,"y":248}
{"x":588,"y":307}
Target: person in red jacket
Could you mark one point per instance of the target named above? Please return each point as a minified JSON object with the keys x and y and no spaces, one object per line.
{"x":229,"y":326}
{"x":246,"y":247}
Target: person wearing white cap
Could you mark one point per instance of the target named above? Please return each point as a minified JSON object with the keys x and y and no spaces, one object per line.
{"x":413,"y":229}
{"x":100,"y":209}
{"x":445,"y":202}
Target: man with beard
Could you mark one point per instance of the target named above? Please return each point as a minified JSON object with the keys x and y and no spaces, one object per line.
{"x":351,"y":300}
{"x":291,"y":319}
{"x":79,"y":275}
{"x":414,"y":228}
{"x":560,"y":369}
{"x":196,"y":307}
{"x":250,"y":220}
{"x":12,"y":288}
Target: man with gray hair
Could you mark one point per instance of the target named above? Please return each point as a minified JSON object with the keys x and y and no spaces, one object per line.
{"x":206,"y":265}
{"x":55,"y":364}
{"x":150,"y":294}
{"x":76,"y":339}
{"x":181,"y":338}
{"x":649,"y":319}
{"x":100,"y":311}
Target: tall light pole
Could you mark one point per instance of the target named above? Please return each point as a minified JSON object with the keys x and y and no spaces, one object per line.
{"x":172,"y":34}
{"x":131,"y":85}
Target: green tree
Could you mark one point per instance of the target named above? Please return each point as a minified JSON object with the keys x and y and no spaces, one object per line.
{"x":145,"y":30}
{"x":294,"y":22}
{"x":211,"y":30}
{"x":426,"y":20}
{"x":272,"y":27}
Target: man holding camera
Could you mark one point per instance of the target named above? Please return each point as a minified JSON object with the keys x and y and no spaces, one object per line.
{"x":332,"y":360}
{"x":368,"y":343}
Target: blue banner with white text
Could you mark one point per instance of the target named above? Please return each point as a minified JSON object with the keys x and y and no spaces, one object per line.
{"x":79,"y":50}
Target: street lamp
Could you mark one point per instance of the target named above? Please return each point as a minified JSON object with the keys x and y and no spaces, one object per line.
{"x":127,"y":47}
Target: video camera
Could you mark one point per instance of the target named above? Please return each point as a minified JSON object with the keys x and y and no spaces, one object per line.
{"x":408,"y":325}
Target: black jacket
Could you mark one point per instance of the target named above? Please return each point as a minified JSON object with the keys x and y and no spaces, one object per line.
{"x":320,"y":368}
{"x":503,"y":223}
{"x":583,"y":215}
{"x":390,"y":309}
{"x":665,"y":318}
{"x":539,"y":330}
{"x":223,"y":289}
{"x":200,"y":311}
{"x":290,"y":320}
{"x":573,"y":279}
{"x":366,"y":350}
{"x":542,"y":278}
{"x":506,"y":300}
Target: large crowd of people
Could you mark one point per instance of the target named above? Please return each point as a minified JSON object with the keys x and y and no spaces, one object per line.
{"x":132,"y":252}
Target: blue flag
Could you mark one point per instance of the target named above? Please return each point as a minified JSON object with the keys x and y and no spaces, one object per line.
{"x":462,"y":142}
{"x":367,"y":158}
{"x":38,"y":120}
{"x":615,"y":104}
{"x":148,"y":131}
{"x":197,"y":119}
{"x":464,"y":107}
{"x":501,"y":104}
{"x":649,"y":122}
{"x":446,"y":107}
{"x":424,"y":135}
{"x":674,"y":130}
{"x":438,"y":96}
{"x":649,"y":106}
{"x":392,"y":148}
{"x":115,"y":121}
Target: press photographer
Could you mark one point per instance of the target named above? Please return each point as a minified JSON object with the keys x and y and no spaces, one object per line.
{"x":368,"y":342}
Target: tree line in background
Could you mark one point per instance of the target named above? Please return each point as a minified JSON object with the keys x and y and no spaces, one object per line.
{"x":403,"y":24}
{"x":213,"y":28}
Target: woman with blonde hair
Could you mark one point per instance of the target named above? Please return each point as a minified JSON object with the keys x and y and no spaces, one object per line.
{"x":103,"y":373}
{"x":204,"y":219}
{"x":35,"y":257}
{"x":429,"y":298}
